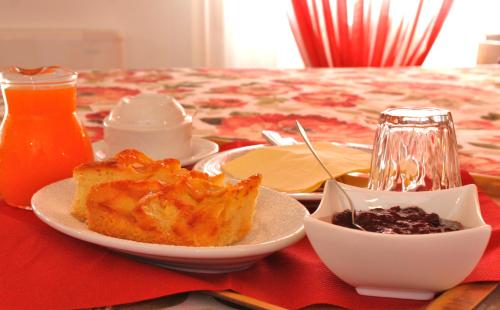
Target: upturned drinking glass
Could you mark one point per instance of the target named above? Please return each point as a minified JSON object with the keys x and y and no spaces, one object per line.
{"x":415,"y":149}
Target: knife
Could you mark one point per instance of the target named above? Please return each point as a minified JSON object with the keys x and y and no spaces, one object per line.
{"x":275,"y":138}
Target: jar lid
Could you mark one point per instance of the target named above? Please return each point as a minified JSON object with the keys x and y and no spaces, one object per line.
{"x":41,"y":75}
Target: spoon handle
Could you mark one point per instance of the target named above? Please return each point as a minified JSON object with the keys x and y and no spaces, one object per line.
{"x":309,"y":145}
{"x":332,"y":179}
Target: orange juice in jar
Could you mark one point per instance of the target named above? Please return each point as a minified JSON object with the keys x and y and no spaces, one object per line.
{"x":41,"y":139}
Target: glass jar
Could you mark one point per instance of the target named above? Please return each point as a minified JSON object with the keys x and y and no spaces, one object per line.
{"x":41,"y":139}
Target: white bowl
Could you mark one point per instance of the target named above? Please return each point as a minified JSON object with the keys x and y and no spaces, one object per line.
{"x":400,"y":266}
{"x":155,"y":124}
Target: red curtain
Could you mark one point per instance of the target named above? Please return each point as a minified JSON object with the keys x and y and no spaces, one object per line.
{"x":366,"y":33}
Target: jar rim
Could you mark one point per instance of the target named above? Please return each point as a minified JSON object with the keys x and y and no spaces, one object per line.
{"x":50,"y":75}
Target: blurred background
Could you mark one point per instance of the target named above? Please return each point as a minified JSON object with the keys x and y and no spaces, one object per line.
{"x":103,"y":34}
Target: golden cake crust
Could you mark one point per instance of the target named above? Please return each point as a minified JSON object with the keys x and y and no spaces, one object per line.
{"x":133,"y":197}
{"x":126,"y":165}
{"x":186,"y":213}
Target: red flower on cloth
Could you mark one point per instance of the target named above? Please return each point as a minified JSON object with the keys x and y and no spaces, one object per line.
{"x":431,"y":75}
{"x":305,"y":81}
{"x":487,"y":166}
{"x":237,"y":73}
{"x":249,"y":126}
{"x":255,"y":89}
{"x":493,"y":139}
{"x":179,"y":90}
{"x":477,"y":124}
{"x":93,"y":95}
{"x":98,"y":76}
{"x":96,"y":117}
{"x":143,"y":77}
{"x":328,"y":99}
{"x":427,"y":87}
{"x":220,"y":103}
{"x":94,"y":133}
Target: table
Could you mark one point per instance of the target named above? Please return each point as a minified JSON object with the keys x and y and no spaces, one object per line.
{"x":333,"y":104}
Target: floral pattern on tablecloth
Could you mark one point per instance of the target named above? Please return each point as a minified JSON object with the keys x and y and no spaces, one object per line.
{"x":333,"y":104}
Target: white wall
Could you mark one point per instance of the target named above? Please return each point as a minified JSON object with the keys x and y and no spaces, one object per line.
{"x":155,"y":33}
{"x":187,"y":33}
{"x":465,"y":28}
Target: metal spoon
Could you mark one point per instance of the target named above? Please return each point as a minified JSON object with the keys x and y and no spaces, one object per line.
{"x":309,"y":145}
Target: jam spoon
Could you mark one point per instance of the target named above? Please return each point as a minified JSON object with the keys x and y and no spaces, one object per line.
{"x":303,"y":134}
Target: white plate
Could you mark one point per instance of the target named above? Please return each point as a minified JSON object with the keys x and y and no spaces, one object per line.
{"x":278,"y":223}
{"x":213,"y":166}
{"x":201,"y":149}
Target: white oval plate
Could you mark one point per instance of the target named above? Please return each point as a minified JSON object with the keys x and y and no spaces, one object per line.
{"x":278,"y":223}
{"x":201,"y":149}
{"x":213,"y":165}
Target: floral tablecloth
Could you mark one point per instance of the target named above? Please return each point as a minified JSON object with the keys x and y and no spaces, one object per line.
{"x":333,"y":104}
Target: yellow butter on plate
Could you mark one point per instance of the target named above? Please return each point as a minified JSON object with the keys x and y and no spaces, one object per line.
{"x":294,"y":169}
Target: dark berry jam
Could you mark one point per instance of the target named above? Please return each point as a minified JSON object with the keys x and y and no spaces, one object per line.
{"x":397,"y":220}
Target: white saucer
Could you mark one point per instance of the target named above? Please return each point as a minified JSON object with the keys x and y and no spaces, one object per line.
{"x":212,"y":165}
{"x":201,"y":149}
{"x":278,"y":222}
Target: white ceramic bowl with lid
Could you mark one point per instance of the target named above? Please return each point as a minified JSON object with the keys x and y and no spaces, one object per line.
{"x":400,"y":266}
{"x":154,"y":124}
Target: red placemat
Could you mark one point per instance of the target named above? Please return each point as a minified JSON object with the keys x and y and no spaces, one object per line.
{"x":42,"y":268}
